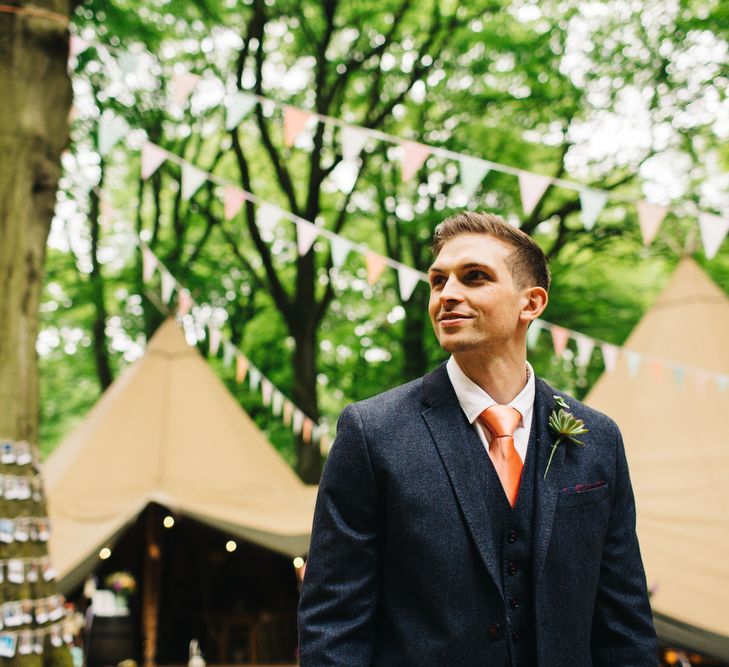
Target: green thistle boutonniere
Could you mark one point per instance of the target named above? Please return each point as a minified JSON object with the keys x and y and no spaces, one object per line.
{"x":565,"y":426}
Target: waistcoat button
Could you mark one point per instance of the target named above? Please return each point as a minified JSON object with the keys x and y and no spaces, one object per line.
{"x":494,"y":631}
{"x":513,"y":568}
{"x":514,"y":602}
{"x":511,"y":536}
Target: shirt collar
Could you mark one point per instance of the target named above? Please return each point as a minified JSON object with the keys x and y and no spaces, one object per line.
{"x":475,"y":400}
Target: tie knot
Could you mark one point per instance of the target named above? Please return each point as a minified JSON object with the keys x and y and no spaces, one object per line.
{"x":501,"y":420}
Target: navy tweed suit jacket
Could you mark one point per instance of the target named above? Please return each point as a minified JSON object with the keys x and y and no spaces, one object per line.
{"x":402,"y":569}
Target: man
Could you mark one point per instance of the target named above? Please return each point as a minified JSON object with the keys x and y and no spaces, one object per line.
{"x":448,"y":530}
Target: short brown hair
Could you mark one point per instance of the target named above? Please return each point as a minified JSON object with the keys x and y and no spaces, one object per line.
{"x":528,"y":263}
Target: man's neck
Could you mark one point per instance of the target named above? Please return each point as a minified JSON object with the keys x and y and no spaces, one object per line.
{"x":502,"y":378}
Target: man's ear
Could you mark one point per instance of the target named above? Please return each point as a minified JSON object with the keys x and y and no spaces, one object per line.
{"x":536,"y":299}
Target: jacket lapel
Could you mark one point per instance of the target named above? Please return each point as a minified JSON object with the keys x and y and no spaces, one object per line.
{"x":464,"y":459}
{"x":546,"y":490}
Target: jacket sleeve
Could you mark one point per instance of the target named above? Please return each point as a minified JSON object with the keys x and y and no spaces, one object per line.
{"x":623,"y":632}
{"x":339,"y":592}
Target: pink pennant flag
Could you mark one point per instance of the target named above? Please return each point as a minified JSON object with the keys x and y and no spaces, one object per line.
{"x":288,"y":411}
{"x":233,"y":199}
{"x":152,"y":157}
{"x":713,"y":230}
{"x":585,"y":345}
{"x":532,"y":188}
{"x":184,"y":302}
{"x":214,"y":340}
{"x":241,"y":368}
{"x":656,"y":370}
{"x":149,"y":264}
{"x":375,"y":266}
{"x":610,"y":355}
{"x":306,"y":430}
{"x":168,"y":286}
{"x":560,"y":337}
{"x":650,"y":217}
{"x":183,"y":84}
{"x":413,"y":157}
{"x":306,"y":234}
{"x":702,"y":379}
{"x":266,"y":391}
{"x":294,"y":121}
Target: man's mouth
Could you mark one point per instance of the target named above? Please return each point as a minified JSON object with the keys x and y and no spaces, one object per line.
{"x":453,"y":319}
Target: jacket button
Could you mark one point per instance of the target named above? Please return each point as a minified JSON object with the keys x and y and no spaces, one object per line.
{"x":511,"y":536}
{"x":494,"y":631}
{"x":514,"y":602}
{"x":513,"y":568}
{"x":515,"y":637}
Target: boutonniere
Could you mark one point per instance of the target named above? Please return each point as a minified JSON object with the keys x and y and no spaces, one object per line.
{"x":565,"y":426}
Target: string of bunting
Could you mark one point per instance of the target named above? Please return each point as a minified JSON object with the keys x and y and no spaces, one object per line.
{"x":532,"y":186}
{"x":272,"y":396}
{"x":269,"y":215}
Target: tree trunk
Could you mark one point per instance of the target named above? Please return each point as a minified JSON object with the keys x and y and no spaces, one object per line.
{"x":37,"y":94}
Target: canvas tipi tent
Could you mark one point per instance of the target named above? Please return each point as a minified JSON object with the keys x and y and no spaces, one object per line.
{"x":677,"y":441}
{"x":168,"y":431}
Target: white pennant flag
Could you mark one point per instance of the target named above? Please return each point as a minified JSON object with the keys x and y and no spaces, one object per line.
{"x":344,"y":175}
{"x":238,"y":106}
{"x":192,"y":179}
{"x":473,"y":171}
{"x":306,"y":234}
{"x":353,"y":141}
{"x":266,"y":391}
{"x":298,"y":421}
{"x":168,"y":284}
{"x":713,"y":230}
{"x":340,"y":250}
{"x":277,"y":403}
{"x":634,"y":360}
{"x":149,"y":264}
{"x":610,"y":355}
{"x":111,"y":129}
{"x":228,"y":352}
{"x":532,"y":187}
{"x":585,"y":346}
{"x":407,"y":278}
{"x":592,"y":203}
{"x":182,"y":86}
{"x":650,"y":217}
{"x":535,"y":328}
{"x":213,"y":339}
{"x":152,"y":157}
{"x":267,"y":218}
{"x":254,"y":378}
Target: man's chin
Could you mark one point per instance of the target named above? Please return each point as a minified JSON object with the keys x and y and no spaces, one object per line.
{"x":454,"y":344}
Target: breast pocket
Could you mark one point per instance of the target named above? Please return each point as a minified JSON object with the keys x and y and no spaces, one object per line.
{"x":582,"y":498}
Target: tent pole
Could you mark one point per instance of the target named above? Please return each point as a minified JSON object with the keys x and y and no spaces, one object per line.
{"x":150,"y":598}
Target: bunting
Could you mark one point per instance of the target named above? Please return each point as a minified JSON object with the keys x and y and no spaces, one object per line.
{"x":375,"y":266}
{"x":183,"y":83}
{"x":111,"y":129}
{"x":650,"y":217}
{"x":233,"y":199}
{"x":713,"y":230}
{"x":560,"y":337}
{"x":413,"y":157}
{"x":238,"y":106}
{"x":407,"y":281}
{"x":353,"y":141}
{"x":592,"y":202}
{"x":192,"y":179}
{"x":340,"y":248}
{"x":294,"y":122}
{"x":532,"y":188}
{"x":473,"y":171}
{"x":306,"y":234}
{"x":152,"y":158}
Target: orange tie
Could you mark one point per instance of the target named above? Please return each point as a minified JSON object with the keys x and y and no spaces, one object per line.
{"x":501,"y":421}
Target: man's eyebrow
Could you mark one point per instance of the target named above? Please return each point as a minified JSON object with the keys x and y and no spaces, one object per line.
{"x":460,"y":267}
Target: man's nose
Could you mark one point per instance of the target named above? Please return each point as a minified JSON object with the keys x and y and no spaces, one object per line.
{"x":451,"y":290}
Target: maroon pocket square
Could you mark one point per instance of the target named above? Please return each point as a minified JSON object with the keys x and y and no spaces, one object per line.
{"x":579,"y":488}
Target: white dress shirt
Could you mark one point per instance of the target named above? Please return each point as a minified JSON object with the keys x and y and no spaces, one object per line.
{"x":474,"y":401}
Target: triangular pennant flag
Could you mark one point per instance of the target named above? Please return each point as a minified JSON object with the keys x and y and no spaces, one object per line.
{"x":701,"y":380}
{"x":353,"y":140}
{"x":149,"y":264}
{"x":722,"y":381}
{"x":111,"y":129}
{"x":228,"y":352}
{"x":634,"y":360}
{"x":306,"y":234}
{"x":473,"y":171}
{"x":213,"y":340}
{"x":407,"y":279}
{"x":413,"y":157}
{"x":183,"y":84}
{"x":610,"y":355}
{"x":77,"y":45}
{"x":650,"y":217}
{"x":128,"y":62}
{"x":340,"y":250}
{"x":277,"y":403}
{"x":233,"y":199}
{"x":288,"y":410}
{"x":375,"y":266}
{"x":678,"y":376}
{"x":532,"y":187}
{"x":184,"y":302}
{"x":238,"y":106}
{"x":585,"y":346}
{"x":344,"y":175}
{"x":560,"y":336}
{"x":294,"y":121}
{"x":592,"y":203}
{"x":713,"y":230}
{"x":657,"y":370}
{"x":168,"y":285}
{"x":152,"y":157}
{"x":298,"y":421}
{"x":535,"y":328}
{"x":267,"y":218}
{"x":266,"y":391}
{"x":241,"y":368}
{"x":306,"y":430}
{"x":254,"y":377}
{"x":192,"y":179}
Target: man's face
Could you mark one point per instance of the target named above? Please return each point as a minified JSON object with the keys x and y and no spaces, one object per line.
{"x":474,"y":304}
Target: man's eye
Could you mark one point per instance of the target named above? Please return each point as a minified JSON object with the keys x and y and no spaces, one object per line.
{"x":476,"y":275}
{"x":436,"y":281}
